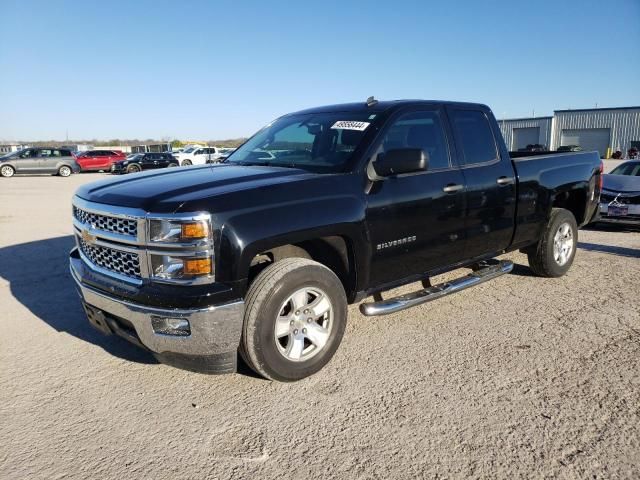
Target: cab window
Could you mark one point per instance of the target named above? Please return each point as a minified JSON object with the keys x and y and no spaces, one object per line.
{"x":473,"y":133}
{"x":419,"y":130}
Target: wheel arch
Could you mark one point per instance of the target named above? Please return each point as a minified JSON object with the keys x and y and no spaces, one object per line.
{"x":574,"y":200}
{"x":335,"y":252}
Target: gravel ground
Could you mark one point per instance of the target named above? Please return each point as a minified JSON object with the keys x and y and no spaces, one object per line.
{"x":519,"y":377}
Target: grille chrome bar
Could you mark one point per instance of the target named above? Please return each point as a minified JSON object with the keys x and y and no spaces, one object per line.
{"x":124,"y":263}
{"x":122,"y":226}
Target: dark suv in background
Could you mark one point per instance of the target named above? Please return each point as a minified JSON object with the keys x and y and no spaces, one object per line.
{"x":57,"y":161}
{"x":144,"y":161}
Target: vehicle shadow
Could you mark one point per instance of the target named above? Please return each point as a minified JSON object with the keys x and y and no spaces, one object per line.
{"x":39,"y":278}
{"x":611,"y":249}
{"x":522,"y":271}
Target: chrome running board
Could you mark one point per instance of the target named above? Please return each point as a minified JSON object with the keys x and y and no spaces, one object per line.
{"x":481,"y":275}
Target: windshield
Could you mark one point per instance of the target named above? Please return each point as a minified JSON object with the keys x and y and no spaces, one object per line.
{"x":189,"y":150}
{"x":631,"y":168}
{"x":318,"y":142}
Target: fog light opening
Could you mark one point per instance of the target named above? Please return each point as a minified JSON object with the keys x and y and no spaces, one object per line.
{"x":178,"y":327}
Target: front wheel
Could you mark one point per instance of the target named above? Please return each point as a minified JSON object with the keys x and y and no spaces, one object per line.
{"x":7,"y":171}
{"x":133,"y":168}
{"x":295,"y":317}
{"x":186,"y":163}
{"x":64,"y":171}
{"x":553,"y":255}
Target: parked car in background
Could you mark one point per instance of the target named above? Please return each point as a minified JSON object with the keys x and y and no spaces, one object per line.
{"x":57,"y":161}
{"x":533,"y":147}
{"x":259,"y":155}
{"x":620,"y":197}
{"x":197,"y":156}
{"x":96,"y":160}
{"x":570,"y":148}
{"x":222,"y":154}
{"x":144,"y":161}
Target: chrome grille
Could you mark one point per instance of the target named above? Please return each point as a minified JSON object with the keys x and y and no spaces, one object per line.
{"x":124,"y":263}
{"x":123,"y":226}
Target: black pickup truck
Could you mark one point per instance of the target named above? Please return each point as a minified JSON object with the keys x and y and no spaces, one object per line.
{"x":261,"y":254}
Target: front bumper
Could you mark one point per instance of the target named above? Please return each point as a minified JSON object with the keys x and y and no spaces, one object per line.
{"x":211,"y":346}
{"x":632,"y":216}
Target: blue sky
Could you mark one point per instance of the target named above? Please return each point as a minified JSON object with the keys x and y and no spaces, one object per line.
{"x":222,"y":69}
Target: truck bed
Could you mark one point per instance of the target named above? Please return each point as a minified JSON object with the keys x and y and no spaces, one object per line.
{"x":542,"y":177}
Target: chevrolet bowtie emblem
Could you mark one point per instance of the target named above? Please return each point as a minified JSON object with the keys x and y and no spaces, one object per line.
{"x":88,"y":237}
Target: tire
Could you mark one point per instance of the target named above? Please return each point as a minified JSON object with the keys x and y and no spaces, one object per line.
{"x":7,"y":171}
{"x":133,"y":168}
{"x":186,"y":163}
{"x":553,"y":255}
{"x":276,"y":292}
{"x":64,"y":171}
{"x":172,"y":165}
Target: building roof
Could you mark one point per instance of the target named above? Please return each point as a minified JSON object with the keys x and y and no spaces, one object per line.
{"x":595,"y":109}
{"x":523,"y":118}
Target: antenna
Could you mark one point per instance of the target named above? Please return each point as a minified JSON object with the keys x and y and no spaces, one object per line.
{"x":371,"y":101}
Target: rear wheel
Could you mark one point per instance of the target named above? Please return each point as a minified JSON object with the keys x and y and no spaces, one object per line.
{"x":7,"y":171}
{"x":295,"y":317}
{"x":133,"y":168}
{"x":171,"y":165}
{"x":553,"y":255}
{"x":186,"y":163}
{"x":64,"y":171}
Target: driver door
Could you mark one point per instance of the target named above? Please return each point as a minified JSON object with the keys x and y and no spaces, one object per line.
{"x":28,"y":161}
{"x":416,"y":221}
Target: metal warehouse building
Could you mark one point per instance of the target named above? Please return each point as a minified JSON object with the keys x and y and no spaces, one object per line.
{"x":603,"y":129}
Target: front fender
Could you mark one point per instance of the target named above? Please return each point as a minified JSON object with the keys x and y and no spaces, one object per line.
{"x":247,"y":234}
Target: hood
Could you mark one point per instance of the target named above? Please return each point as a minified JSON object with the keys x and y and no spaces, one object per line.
{"x":621,"y":183}
{"x":170,"y":190}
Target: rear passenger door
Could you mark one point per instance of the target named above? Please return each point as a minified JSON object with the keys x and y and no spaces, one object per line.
{"x":156,"y":160}
{"x":48,"y":160}
{"x":489,"y":180}
{"x":163,"y":162}
{"x":147,"y":161}
{"x":416,"y":221}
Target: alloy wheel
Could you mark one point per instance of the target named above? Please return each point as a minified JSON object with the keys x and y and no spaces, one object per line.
{"x":563,"y":244}
{"x":303,"y":324}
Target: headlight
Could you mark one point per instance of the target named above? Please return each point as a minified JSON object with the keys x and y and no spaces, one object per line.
{"x":173,"y":231}
{"x":168,"y":267}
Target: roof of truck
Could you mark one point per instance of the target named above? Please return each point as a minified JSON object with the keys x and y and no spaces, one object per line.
{"x":383,"y":105}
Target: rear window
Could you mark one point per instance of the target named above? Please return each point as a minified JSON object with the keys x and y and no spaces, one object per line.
{"x":474,"y":136}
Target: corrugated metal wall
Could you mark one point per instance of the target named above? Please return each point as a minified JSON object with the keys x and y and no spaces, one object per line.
{"x":623,"y":124}
{"x":544,"y":123}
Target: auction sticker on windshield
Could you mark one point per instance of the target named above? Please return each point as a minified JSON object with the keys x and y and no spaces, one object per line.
{"x":350,"y":125}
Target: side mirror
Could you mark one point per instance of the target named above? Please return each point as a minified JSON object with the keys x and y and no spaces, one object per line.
{"x":402,"y":160}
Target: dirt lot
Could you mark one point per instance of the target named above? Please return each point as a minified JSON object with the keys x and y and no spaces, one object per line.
{"x":520,"y":377}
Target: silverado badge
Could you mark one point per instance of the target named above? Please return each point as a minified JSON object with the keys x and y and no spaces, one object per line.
{"x":395,"y":243}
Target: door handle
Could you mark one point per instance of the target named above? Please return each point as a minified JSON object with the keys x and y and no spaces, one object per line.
{"x":504,"y":180}
{"x":452,"y":188}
